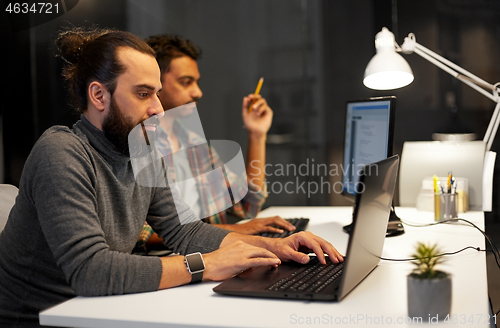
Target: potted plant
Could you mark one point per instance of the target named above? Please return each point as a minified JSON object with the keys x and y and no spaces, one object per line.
{"x":429,"y":290}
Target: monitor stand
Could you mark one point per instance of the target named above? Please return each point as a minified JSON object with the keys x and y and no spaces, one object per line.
{"x":394,"y":227}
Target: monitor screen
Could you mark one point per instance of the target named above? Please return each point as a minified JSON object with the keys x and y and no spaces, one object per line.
{"x":368,"y":138}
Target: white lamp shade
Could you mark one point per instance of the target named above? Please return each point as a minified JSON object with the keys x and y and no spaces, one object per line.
{"x":387,"y":69}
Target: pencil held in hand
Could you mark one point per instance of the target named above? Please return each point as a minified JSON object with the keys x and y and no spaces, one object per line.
{"x":257,"y":91}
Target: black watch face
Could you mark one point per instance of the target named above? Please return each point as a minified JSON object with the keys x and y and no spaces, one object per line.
{"x":195,"y":262}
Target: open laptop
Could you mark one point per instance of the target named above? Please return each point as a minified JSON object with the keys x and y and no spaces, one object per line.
{"x":332,"y":281}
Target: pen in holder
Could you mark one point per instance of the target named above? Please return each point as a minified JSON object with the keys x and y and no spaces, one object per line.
{"x":445,"y":199}
{"x":445,"y":206}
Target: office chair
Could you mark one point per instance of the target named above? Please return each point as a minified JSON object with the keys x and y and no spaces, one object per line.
{"x":8,"y":194}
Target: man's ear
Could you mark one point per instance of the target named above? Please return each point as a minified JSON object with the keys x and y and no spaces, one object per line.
{"x":98,"y":95}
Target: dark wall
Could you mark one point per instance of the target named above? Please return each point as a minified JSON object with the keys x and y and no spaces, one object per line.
{"x":36,"y":90}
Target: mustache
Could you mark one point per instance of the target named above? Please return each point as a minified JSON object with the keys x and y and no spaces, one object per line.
{"x":153,"y":120}
{"x":138,"y":148}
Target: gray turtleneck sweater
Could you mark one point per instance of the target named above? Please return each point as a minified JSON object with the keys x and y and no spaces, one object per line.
{"x":76,"y":219}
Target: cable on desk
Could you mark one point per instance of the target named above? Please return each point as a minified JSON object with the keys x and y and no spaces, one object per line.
{"x":494,"y":249}
{"x":442,"y":254}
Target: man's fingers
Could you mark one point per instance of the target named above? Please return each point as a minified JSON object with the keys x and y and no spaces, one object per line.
{"x":317,"y":245}
{"x":257,"y":104}
{"x":321,"y":247}
{"x":250,"y":100}
{"x":302,"y":258}
{"x":328,"y":248}
{"x":268,"y":228}
{"x":283,"y":223}
{"x":278,"y":221}
{"x":261,"y":261}
{"x":258,"y":252}
{"x":316,"y":248}
{"x":262,"y":110}
{"x":253,"y":96}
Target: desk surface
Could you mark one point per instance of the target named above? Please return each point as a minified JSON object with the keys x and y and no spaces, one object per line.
{"x":379,"y":301}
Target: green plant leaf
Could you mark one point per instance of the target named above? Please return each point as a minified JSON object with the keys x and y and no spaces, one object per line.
{"x":426,"y":258}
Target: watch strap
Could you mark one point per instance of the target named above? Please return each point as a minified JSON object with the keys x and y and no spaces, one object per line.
{"x":196,"y":277}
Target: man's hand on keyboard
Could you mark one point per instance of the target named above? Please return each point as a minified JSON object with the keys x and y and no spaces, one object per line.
{"x":239,"y":252}
{"x":274,"y":224}
{"x":296,"y":246}
{"x":234,"y":258}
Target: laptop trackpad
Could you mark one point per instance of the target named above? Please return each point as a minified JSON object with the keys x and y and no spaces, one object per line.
{"x":259,"y":278}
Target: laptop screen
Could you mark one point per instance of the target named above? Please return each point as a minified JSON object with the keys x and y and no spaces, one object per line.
{"x":371,"y":213}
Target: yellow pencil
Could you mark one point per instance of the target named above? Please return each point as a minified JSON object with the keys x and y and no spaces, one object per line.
{"x":257,"y":91}
{"x":436,"y":188}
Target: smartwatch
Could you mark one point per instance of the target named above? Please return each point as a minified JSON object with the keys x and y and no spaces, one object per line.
{"x":195,"y":266}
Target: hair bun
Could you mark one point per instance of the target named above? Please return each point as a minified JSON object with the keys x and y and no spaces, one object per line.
{"x":70,"y":45}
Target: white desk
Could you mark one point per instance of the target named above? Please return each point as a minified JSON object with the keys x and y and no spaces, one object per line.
{"x":379,"y":301}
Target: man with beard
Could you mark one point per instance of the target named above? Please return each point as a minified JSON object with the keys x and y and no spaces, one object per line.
{"x":177,"y":58}
{"x":83,"y":210}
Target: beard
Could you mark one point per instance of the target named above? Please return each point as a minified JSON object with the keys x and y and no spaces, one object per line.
{"x":116,"y":128}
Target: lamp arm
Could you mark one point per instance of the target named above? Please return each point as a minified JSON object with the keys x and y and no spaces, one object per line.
{"x":410,"y":45}
{"x":475,"y":83}
{"x":491,"y":132}
{"x":466,"y":77}
{"x":455,"y":67}
{"x":469,"y":79}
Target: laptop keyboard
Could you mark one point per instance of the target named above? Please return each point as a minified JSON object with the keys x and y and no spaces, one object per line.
{"x":313,"y":278}
{"x":299,"y":223}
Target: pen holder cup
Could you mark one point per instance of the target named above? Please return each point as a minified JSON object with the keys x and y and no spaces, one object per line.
{"x":445,"y":206}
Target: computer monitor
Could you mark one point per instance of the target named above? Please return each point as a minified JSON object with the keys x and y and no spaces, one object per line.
{"x":368,"y":138}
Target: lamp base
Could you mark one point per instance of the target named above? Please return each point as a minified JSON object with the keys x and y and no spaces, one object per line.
{"x":394,"y":227}
{"x":455,"y":137}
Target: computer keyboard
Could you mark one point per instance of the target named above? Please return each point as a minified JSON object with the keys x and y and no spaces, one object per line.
{"x":314,"y":277}
{"x":299,"y":223}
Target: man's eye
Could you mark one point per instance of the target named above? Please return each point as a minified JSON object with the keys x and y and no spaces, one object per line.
{"x":143,"y":94}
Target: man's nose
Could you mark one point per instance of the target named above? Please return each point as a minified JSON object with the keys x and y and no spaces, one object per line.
{"x":156,"y":107}
{"x":196,"y":93}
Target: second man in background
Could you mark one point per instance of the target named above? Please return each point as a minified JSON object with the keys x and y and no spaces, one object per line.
{"x":177,"y":58}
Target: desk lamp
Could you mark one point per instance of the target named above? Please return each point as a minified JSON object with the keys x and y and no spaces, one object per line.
{"x":389,"y":70}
